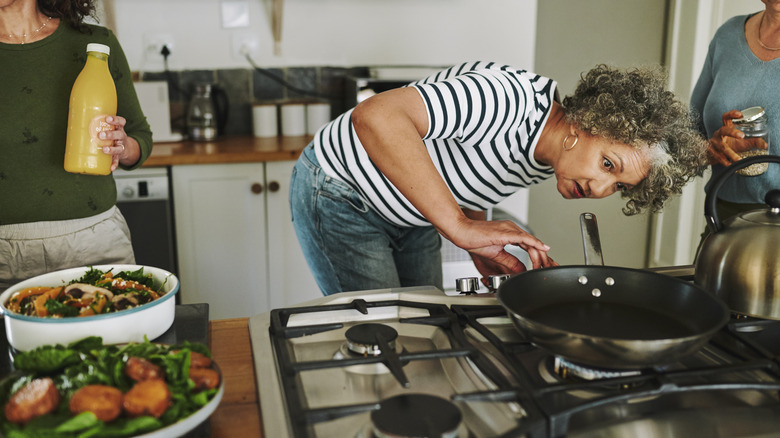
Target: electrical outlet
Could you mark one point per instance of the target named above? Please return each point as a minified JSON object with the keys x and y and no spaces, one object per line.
{"x":154,"y":43}
{"x":245,"y":44}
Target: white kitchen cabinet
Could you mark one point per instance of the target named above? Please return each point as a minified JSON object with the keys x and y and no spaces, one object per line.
{"x":236,"y":246}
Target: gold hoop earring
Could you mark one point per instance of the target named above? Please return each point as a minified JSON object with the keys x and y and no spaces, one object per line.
{"x":565,"y":139}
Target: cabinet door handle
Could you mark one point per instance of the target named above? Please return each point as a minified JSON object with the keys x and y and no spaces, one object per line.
{"x":257,"y":188}
{"x":273,"y":186}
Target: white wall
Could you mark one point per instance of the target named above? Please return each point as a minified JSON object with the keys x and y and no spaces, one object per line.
{"x":331,"y":32}
{"x":573,"y":37}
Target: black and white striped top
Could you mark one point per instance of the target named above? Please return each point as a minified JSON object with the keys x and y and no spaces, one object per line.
{"x":484,"y":121}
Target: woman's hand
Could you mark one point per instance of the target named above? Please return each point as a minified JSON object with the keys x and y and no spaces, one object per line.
{"x":124,"y":149}
{"x":728,"y":142}
{"x":485,"y":242}
{"x":495,"y":261}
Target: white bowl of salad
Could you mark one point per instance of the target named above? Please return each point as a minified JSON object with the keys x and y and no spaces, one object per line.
{"x":120,"y":303}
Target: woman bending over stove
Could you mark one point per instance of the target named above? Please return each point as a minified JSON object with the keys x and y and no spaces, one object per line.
{"x":377,"y":185}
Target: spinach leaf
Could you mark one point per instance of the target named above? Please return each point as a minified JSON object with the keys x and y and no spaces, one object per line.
{"x":131,"y":427}
{"x":88,"y":344}
{"x":46,"y":359}
{"x":90,"y":277}
{"x":82,"y":421}
{"x":198,"y":348}
{"x":57,"y":308}
{"x":138,"y":276}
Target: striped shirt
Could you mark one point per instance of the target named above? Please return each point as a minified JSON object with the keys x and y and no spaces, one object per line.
{"x":484,"y":122}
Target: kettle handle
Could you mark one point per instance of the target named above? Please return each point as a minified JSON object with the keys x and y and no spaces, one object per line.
{"x":710,"y":212}
{"x":221,"y":107}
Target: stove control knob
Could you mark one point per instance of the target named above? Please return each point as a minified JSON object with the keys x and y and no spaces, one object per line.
{"x":467,"y":286}
{"x":494,"y":281}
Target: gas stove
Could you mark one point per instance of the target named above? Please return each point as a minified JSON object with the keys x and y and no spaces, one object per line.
{"x":415,"y":362}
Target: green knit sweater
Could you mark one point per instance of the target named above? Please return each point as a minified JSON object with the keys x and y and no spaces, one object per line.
{"x":35,"y":84}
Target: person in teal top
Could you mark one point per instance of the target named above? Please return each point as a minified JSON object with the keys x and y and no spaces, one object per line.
{"x":742,"y":70}
{"x":51,"y":219}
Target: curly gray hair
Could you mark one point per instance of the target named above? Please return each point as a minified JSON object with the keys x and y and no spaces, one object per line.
{"x":634,"y":107}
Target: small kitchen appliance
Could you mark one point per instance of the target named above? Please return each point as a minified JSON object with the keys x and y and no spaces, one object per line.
{"x":207,"y":112}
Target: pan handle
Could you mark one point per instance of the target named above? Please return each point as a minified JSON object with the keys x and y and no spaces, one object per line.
{"x":591,"y":242}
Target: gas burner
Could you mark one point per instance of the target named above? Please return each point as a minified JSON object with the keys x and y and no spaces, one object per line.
{"x":367,"y":339}
{"x":416,"y":415}
{"x":567,"y":369}
{"x":749,"y":324}
{"x":553,"y":369}
{"x":749,"y":328}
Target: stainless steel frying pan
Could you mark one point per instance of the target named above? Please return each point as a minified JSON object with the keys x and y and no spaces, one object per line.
{"x":611,"y":317}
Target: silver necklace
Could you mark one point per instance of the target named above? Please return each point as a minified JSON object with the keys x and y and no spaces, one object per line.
{"x":773,"y":49}
{"x":24,"y":36}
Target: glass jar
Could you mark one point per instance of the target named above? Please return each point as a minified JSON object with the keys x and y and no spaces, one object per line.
{"x":754,"y":124}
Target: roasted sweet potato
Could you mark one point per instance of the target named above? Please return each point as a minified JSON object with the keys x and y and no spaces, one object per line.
{"x":37,"y":398}
{"x":140,"y":369}
{"x":204,"y":378}
{"x":198,"y":360}
{"x":103,"y":401}
{"x":150,"y":397}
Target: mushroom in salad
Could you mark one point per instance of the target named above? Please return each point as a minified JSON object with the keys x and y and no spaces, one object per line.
{"x":91,"y":299}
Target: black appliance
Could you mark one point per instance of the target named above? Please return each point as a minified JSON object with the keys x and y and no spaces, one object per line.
{"x":144,"y":198}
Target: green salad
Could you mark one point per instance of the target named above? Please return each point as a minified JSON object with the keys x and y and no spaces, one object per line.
{"x":120,"y":371}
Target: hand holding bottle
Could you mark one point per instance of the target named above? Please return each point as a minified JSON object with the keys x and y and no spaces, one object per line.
{"x":122,"y":148}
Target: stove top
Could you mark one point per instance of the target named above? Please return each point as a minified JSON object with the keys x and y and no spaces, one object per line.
{"x":416,"y":362}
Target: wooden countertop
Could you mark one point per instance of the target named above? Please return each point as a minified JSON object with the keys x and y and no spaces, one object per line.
{"x":238,"y":414}
{"x":239,"y":149}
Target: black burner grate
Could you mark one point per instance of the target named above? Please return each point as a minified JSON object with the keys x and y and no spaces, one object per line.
{"x":749,"y":354}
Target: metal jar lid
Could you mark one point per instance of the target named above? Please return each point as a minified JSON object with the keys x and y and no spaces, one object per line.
{"x":751,"y":115}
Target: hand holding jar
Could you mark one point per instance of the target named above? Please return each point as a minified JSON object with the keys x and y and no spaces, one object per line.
{"x":743,"y":134}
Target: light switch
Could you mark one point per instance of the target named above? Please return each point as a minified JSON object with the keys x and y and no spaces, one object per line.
{"x":235,"y":13}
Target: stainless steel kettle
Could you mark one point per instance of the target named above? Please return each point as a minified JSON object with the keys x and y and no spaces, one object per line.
{"x":740,"y":260}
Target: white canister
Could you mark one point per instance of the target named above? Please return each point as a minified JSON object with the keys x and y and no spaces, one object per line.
{"x":293,"y":119}
{"x":317,"y":115}
{"x":265,"y":120}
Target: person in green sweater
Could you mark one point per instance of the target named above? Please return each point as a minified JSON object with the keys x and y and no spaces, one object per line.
{"x":51,"y":219}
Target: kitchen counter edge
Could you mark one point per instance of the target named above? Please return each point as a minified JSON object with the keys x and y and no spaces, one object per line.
{"x":238,"y":149}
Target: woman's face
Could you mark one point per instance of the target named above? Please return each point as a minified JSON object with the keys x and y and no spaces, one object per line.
{"x":597,"y":167}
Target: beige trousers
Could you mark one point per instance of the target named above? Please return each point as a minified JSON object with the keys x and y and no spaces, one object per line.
{"x":35,"y":248}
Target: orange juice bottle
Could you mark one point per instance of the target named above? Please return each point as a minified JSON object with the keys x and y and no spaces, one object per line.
{"x":92,"y":99}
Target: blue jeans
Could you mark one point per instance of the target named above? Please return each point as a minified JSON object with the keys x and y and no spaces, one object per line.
{"x":350,"y":247}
